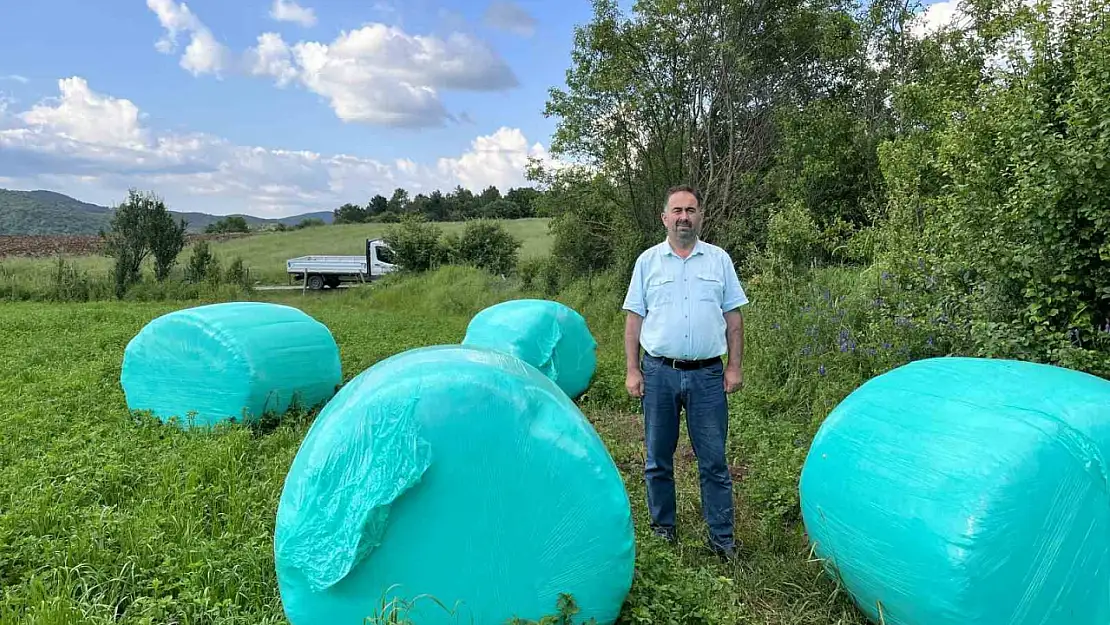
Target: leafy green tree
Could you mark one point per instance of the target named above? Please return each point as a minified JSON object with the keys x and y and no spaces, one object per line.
{"x":378,"y":205}
{"x":350,"y":214}
{"x":231,"y":223}
{"x":399,"y":201}
{"x":463,"y":204}
{"x":998,"y":213}
{"x":140,"y":228}
{"x":502,"y":209}
{"x":702,"y":92}
{"x":525,"y":198}
{"x":489,"y":194}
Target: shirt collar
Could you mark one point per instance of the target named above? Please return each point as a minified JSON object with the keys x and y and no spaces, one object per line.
{"x":699,"y":248}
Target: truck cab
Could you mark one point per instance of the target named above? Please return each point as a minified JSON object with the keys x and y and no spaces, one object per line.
{"x":318,"y":271}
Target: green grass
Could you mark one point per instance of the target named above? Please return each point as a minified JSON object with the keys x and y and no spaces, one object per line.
{"x":266,"y":253}
{"x":109,"y":519}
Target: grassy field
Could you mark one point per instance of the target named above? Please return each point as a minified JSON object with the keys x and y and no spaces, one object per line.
{"x":265,"y":253}
{"x":109,"y":519}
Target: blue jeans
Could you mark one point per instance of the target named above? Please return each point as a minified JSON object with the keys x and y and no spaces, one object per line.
{"x":702,"y":393}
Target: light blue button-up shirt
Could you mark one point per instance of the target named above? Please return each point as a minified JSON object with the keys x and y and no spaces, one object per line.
{"x":683,"y":301}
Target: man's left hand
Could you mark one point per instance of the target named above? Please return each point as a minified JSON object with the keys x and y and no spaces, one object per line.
{"x":734,"y":379}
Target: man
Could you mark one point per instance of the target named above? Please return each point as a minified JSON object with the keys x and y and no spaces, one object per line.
{"x":683,"y":308}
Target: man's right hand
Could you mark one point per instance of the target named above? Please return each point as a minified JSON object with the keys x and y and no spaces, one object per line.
{"x":634,"y":382}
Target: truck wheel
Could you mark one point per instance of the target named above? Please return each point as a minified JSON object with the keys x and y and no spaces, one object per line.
{"x":316,"y":282}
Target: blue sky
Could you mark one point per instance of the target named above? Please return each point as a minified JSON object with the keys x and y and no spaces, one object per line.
{"x":275,"y":107}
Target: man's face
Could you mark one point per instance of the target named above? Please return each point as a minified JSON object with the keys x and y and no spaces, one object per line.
{"x":683,"y":217}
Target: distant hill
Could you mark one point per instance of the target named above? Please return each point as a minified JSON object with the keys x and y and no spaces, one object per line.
{"x":47,"y":212}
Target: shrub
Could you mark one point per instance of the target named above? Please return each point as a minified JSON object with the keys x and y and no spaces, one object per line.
{"x":419,"y":245}
{"x":237,"y":273}
{"x":793,"y":238}
{"x":231,"y":223}
{"x":529,"y":272}
{"x":202,"y":263}
{"x":415,"y":243}
{"x":486,"y":245}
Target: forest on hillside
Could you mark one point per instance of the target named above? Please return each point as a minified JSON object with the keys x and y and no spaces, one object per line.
{"x":459,"y":204}
{"x":965,"y":164}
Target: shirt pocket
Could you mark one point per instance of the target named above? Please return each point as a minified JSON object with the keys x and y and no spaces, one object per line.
{"x":659,"y":291}
{"x":709,"y":288}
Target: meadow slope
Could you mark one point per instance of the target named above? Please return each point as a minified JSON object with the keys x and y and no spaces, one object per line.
{"x":264,"y":254}
{"x":109,"y":519}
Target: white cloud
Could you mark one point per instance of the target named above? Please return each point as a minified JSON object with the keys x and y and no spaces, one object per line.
{"x":204,"y":54}
{"x":952,"y":15}
{"x":938,"y":16}
{"x":290,"y":11}
{"x":376,"y":74}
{"x":496,"y":159}
{"x":380,"y":74}
{"x":95,"y":146}
{"x":16,"y":78}
{"x":83,"y":116}
{"x":1013,"y":50}
{"x":271,"y":57}
{"x":509,"y":16}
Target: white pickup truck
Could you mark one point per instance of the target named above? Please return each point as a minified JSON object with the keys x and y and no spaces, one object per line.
{"x":316,"y":272}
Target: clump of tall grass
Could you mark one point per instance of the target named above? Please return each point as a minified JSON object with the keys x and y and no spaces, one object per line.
{"x":66,"y":280}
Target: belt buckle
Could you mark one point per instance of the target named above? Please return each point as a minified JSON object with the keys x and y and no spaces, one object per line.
{"x":675,"y":362}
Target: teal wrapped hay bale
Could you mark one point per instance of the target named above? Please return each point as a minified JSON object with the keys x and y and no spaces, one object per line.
{"x":548,"y":335}
{"x":458,"y":474}
{"x":236,"y":360}
{"x":956,"y":490}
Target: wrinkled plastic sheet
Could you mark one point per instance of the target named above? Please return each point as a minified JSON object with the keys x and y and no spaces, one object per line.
{"x":548,"y":335}
{"x":235,"y":360}
{"x":452,"y":474}
{"x":955,"y":490}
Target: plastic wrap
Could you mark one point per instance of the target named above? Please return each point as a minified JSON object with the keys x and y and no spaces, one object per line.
{"x":545,"y":334}
{"x":460,"y":474}
{"x":236,"y":360}
{"x":955,"y":491}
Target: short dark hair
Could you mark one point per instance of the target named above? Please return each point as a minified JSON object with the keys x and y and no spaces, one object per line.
{"x":682,"y":188}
